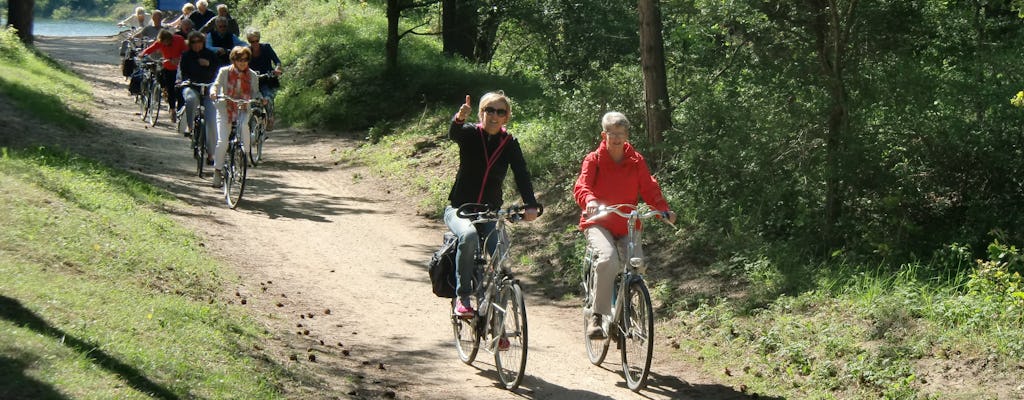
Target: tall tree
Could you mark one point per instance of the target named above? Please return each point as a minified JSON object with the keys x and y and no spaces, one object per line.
{"x":394,"y":16}
{"x":469,"y":28}
{"x":19,"y":16}
{"x":652,"y":60}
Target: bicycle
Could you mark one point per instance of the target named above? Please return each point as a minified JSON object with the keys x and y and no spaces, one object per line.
{"x":236,"y":164}
{"x":199,"y":149}
{"x":501,"y":309}
{"x":258,"y":123}
{"x":149,"y":100}
{"x":631,"y":324}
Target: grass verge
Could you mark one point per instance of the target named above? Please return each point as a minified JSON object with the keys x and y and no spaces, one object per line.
{"x":109,"y":298}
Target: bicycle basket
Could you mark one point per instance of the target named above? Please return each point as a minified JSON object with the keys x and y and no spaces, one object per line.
{"x":442,"y":267}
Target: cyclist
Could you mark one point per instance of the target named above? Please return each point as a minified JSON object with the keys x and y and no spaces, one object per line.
{"x":222,"y":11}
{"x":264,"y":60}
{"x":137,"y":20}
{"x":171,"y":46}
{"x":202,"y":15}
{"x":221,"y":41}
{"x":151,"y":31}
{"x":239,"y":82}
{"x":186,"y":10}
{"x":486,"y":152}
{"x":199,"y":65}
{"x":614,"y":173}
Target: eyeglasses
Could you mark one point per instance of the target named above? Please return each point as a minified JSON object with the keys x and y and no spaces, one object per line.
{"x":501,"y":112}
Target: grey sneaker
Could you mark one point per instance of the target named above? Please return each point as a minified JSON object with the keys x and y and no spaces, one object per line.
{"x":595,"y":331}
{"x":218,"y":178}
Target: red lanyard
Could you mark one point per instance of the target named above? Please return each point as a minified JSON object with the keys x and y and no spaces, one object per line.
{"x":491,"y":160}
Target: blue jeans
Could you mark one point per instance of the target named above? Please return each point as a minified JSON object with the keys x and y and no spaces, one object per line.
{"x":192,"y":98}
{"x":469,"y":239}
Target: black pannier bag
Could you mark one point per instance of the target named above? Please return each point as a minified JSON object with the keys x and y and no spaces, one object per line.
{"x":135,"y":83}
{"x":442,"y":267}
{"x":128,"y":67}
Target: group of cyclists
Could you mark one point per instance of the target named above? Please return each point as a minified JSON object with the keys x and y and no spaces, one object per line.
{"x":199,"y":48}
{"x":614,"y":174}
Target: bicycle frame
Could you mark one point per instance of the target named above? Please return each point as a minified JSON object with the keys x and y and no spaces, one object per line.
{"x":632,"y":340}
{"x":492,"y":271}
{"x":501,"y":309}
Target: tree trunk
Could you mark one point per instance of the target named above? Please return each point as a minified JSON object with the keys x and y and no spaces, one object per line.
{"x":19,"y":16}
{"x":831,"y":26}
{"x":458,"y":30}
{"x":652,"y":60}
{"x":394,"y":14}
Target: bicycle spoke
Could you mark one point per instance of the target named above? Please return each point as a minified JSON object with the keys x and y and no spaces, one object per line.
{"x":637,"y":336}
{"x":511,"y":313}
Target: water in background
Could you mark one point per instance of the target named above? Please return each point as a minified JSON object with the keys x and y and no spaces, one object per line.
{"x":67,"y":27}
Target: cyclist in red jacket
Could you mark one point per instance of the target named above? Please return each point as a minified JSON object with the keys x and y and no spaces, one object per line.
{"x":615,"y":173}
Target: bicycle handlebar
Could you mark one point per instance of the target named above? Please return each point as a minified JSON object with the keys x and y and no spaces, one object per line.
{"x":193,"y":84}
{"x":485,"y":213}
{"x":237,"y":101}
{"x":616,"y":209}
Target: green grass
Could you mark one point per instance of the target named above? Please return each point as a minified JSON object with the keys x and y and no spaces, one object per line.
{"x":40,"y":86}
{"x":103,"y":295}
{"x":110,"y":298}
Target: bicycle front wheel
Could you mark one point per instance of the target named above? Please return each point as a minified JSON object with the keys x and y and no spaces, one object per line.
{"x":511,"y":313}
{"x":258,"y":129}
{"x":467,"y":341}
{"x":199,"y":146}
{"x":234,"y":175}
{"x":154,"y":103}
{"x":636,"y":335}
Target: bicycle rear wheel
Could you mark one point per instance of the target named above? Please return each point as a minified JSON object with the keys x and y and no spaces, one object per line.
{"x":234,"y":174}
{"x":467,"y":341}
{"x":636,"y":335}
{"x":511,"y":309}
{"x":597,"y":349}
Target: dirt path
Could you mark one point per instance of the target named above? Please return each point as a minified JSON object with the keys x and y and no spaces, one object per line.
{"x":330,"y":258}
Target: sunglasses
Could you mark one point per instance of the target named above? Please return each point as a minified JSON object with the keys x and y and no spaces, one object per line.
{"x":501,"y":112}
{"x":242,"y":60}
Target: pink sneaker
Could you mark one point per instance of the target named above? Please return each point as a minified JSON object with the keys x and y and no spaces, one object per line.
{"x":503,"y":344}
{"x":462,"y":310}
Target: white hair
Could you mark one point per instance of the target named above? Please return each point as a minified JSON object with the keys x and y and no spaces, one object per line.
{"x":614,"y":118}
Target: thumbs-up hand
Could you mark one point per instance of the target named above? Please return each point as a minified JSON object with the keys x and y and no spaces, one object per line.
{"x":464,"y":110}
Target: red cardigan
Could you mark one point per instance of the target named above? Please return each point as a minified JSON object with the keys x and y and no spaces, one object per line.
{"x":610,"y":183}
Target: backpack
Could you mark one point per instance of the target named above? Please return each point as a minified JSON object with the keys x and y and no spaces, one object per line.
{"x":442,"y":267}
{"x":128,"y":67}
{"x":135,"y":83}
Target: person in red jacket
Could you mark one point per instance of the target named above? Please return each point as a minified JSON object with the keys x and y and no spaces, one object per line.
{"x":170,"y":46}
{"x":615,"y":173}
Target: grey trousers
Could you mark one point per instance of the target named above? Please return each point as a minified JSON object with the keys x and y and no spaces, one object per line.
{"x":610,"y":256}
